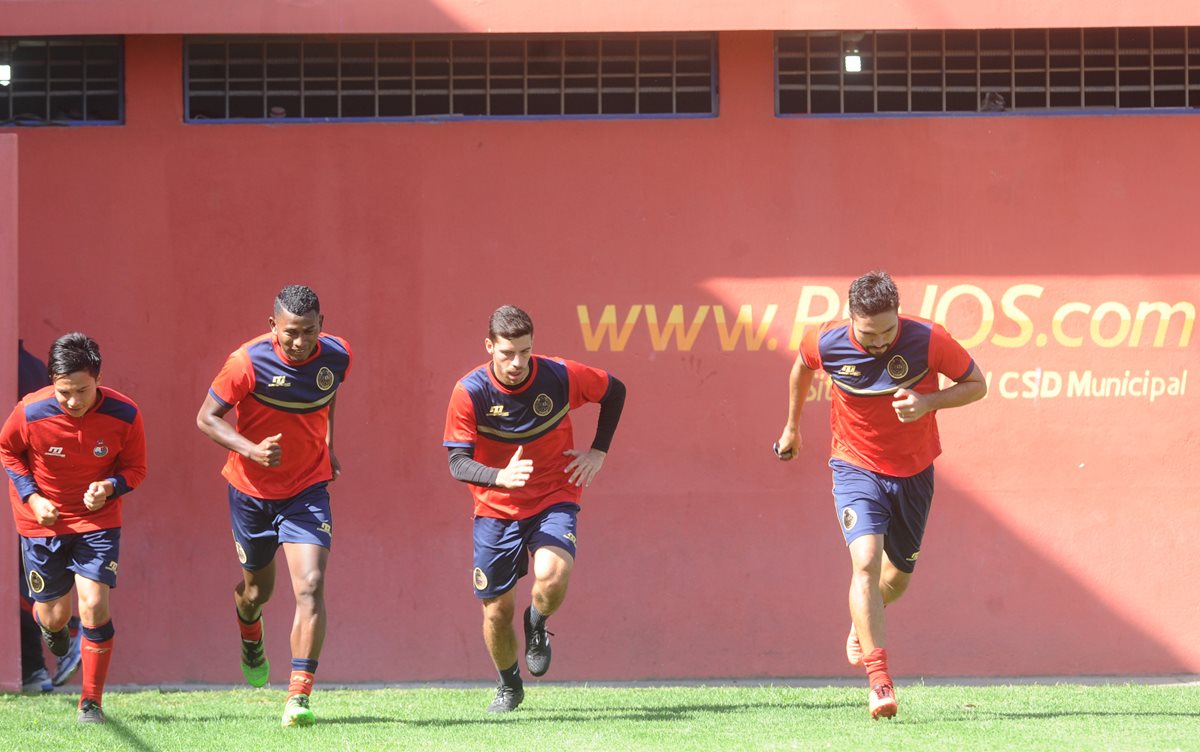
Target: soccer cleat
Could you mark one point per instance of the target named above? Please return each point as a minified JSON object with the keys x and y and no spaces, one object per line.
{"x":36,"y":682}
{"x":854,"y":651}
{"x":59,"y":642}
{"x":882,"y":700}
{"x":90,"y":712}
{"x":507,"y":699}
{"x":537,"y":647}
{"x":255,"y":666}
{"x":69,"y":663}
{"x":297,"y":713}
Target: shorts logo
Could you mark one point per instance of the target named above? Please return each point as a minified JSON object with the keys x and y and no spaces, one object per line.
{"x":324,"y":379}
{"x":241,"y":552}
{"x":480,"y":578}
{"x":849,"y":371}
{"x":36,"y":583}
{"x":327,"y":529}
{"x":914,"y":556}
{"x":849,"y":518}
{"x":111,"y":566}
{"x":497,"y":411}
{"x":55,"y":452}
{"x":542,"y":405}
{"x":279,"y":381}
{"x":100,"y":450}
{"x":571,"y":537}
{"x":897,"y":367}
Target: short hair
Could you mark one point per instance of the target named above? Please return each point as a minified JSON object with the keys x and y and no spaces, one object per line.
{"x":873,"y":293}
{"x":298,"y":300}
{"x":73,"y":352}
{"x":509,"y":322}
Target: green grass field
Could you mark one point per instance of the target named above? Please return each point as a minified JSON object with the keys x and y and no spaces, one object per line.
{"x":577,"y":717}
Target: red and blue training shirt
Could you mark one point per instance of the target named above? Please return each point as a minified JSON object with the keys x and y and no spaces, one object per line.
{"x":274,"y":395}
{"x":493,"y":419}
{"x":46,"y":451}
{"x":866,"y":431}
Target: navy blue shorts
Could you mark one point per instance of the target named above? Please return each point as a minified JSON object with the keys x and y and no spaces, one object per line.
{"x":261,"y":525}
{"x":870,"y":503}
{"x":502,"y":547}
{"x":52,"y":563}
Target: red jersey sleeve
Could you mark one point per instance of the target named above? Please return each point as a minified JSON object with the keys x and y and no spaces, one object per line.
{"x":236,"y":379}
{"x":587,"y":384}
{"x":810,"y":349}
{"x":13,"y":446}
{"x":948,"y":357}
{"x":460,"y":419}
{"x":131,"y":464}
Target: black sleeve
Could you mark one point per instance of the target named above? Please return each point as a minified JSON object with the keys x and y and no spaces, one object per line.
{"x":610,"y":414}
{"x":464,"y":467}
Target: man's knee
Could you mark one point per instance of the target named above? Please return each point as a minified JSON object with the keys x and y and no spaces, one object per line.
{"x":498,"y":610}
{"x":310,"y":585}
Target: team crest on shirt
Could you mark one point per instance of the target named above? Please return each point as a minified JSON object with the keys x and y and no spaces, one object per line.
{"x":324,"y":379}
{"x":241,"y":552}
{"x":36,"y":583}
{"x":542,"y":405}
{"x":100,"y":450}
{"x":897,"y":367}
{"x":849,"y":518}
{"x":480,"y":579}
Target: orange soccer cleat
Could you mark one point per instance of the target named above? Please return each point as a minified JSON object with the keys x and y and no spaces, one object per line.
{"x":882,"y":699}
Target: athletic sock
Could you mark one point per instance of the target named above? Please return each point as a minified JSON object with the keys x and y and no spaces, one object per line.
{"x":876,"y":665}
{"x":303,"y":673}
{"x":73,"y":625}
{"x":511,"y":676}
{"x":96,"y":650}
{"x":250,"y":632}
{"x":536,"y":619}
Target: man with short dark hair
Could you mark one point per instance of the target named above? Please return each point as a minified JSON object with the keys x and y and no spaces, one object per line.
{"x":884,"y":367}
{"x":509,"y":437}
{"x":72,"y":451}
{"x":281,"y":459}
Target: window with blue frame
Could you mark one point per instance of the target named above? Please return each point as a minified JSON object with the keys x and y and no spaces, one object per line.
{"x":987,"y":71}
{"x":61,"y":81}
{"x":480,"y":76}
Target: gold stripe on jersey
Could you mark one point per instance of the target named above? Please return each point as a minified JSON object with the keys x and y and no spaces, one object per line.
{"x":879,"y":392}
{"x":524,"y":434}
{"x":293,"y":405}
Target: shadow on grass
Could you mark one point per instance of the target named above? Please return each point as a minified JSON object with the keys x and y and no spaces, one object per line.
{"x":117,"y":727}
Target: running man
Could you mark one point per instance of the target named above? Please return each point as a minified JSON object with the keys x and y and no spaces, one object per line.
{"x":72,"y":451}
{"x":284,"y":385}
{"x":508,"y":432}
{"x":884,"y":367}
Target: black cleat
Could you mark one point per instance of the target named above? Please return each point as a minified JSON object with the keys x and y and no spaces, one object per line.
{"x":507,"y":699}
{"x":59,"y":642}
{"x":90,"y":712}
{"x":537,"y":647}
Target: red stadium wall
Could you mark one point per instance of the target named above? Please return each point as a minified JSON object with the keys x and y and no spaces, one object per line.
{"x":526,"y":16}
{"x":1060,"y":248}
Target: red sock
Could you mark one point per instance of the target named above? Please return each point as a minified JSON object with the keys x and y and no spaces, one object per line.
{"x":96,"y":656}
{"x":301,"y":683}
{"x":251,"y":632}
{"x":875,"y":663}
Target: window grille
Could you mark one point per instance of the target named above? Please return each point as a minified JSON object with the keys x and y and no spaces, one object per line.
{"x":991,"y":70}
{"x":386,"y":78}
{"x":61,"y":80}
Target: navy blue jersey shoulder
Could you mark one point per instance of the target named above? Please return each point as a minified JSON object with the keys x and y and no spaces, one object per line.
{"x":860,"y":373}
{"x":526,"y":415}
{"x":118,"y":408}
{"x":42,"y":409}
{"x":302,"y":388}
